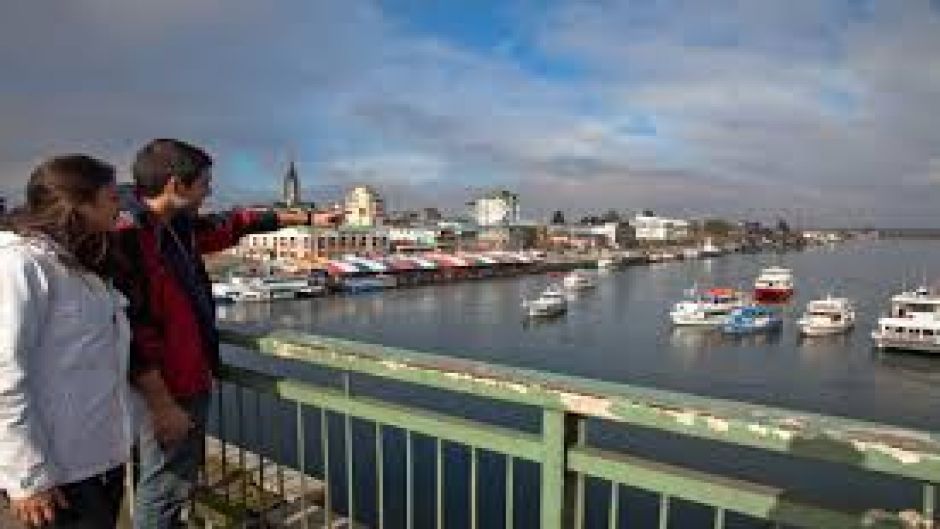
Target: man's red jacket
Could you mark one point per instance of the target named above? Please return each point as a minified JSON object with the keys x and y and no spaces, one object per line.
{"x":172,"y":313}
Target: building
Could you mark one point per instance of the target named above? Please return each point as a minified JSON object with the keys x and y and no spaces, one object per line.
{"x":506,"y":238}
{"x":650,"y":228}
{"x":312,"y":244}
{"x":422,"y":239}
{"x":364,"y":208}
{"x":500,"y":208}
{"x":609,"y":235}
{"x":291,"y":187}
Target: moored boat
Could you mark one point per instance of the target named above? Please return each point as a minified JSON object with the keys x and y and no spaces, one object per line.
{"x":774,"y":284}
{"x":752,"y":319}
{"x":710,"y":308}
{"x":551,"y":302}
{"x":913,"y":323}
{"x":579,"y":280}
{"x":827,"y":316}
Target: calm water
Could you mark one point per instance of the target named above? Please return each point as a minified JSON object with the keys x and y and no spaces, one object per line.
{"x":620,"y":332}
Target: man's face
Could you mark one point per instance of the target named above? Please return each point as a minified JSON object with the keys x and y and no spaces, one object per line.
{"x":191,"y":197}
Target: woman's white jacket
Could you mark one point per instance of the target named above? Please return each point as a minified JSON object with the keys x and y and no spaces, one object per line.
{"x":64,"y":394}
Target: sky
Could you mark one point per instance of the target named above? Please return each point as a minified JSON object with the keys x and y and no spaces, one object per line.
{"x":821,"y":111}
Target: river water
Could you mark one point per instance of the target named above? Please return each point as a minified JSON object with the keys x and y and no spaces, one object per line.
{"x":620,"y":332}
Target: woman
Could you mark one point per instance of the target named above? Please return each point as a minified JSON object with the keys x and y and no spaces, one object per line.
{"x":64,"y":413}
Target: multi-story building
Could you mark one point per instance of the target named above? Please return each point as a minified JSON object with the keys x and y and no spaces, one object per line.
{"x":364,"y":208}
{"x":659,"y":229}
{"x":420,"y":239}
{"x":512,"y":238}
{"x":611,"y":235}
{"x":500,"y":208}
{"x":306,"y":243}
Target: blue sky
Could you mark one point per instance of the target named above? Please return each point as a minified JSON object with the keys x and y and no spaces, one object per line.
{"x":818,"y":110}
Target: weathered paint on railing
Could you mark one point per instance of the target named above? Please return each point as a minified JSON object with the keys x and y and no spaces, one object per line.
{"x":871,"y":446}
{"x":560,"y":450}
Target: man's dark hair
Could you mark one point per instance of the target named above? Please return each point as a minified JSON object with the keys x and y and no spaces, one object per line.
{"x":161,"y":159}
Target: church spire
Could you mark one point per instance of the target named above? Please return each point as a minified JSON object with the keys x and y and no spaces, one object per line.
{"x":291,"y":186}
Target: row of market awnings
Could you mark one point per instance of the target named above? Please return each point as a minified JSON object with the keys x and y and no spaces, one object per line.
{"x":426,"y":262}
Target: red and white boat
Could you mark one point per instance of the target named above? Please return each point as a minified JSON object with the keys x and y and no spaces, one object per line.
{"x":774,"y":284}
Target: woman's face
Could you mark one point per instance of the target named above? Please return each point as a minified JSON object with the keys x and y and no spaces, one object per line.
{"x":102,"y":212}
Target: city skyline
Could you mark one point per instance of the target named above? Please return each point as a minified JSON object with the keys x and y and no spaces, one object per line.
{"x":804,"y":109}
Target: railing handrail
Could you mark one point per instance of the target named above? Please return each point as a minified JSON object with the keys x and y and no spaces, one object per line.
{"x":868,"y":445}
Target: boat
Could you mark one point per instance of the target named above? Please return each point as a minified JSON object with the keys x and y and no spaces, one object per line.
{"x":827,"y":316}
{"x":710,"y":308}
{"x":691,"y":253}
{"x":630,"y":257}
{"x":239,"y":289}
{"x":752,"y":319}
{"x":773,"y":284}
{"x":578,"y":280}
{"x":913,"y":323}
{"x":551,"y":302}
{"x":608,"y":263}
{"x":709,"y":249}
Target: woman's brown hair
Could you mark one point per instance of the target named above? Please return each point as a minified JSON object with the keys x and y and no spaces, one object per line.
{"x":55,"y":190}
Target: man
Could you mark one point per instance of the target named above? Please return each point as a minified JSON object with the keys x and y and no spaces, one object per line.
{"x":175,"y":343}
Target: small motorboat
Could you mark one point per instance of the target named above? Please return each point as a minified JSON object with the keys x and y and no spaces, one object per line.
{"x":752,"y":319}
{"x":774,"y":284}
{"x":551,"y":302}
{"x":579,"y":280}
{"x":711,"y":308}
{"x":827,"y":316}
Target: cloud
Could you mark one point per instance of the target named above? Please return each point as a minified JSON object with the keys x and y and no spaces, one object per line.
{"x":741,"y":108}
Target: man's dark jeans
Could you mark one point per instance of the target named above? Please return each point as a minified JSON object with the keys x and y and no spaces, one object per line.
{"x":167,"y":474}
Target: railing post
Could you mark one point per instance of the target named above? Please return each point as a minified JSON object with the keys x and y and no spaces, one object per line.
{"x":559,"y":431}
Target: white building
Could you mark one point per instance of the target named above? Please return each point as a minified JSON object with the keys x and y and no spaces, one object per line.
{"x":364,"y":208}
{"x":659,"y":229}
{"x":500,"y":208}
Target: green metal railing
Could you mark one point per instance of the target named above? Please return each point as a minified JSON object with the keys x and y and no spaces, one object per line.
{"x":561,"y":449}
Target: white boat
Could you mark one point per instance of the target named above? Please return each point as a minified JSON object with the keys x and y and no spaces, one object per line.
{"x":709,"y":249}
{"x":239,"y":289}
{"x":711,"y":308}
{"x":691,"y":253}
{"x":608,"y":263}
{"x":578,"y":280}
{"x":913,"y":323}
{"x":827,"y":316}
{"x":551,"y":302}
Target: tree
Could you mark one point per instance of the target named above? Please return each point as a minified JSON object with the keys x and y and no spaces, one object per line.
{"x":558,"y":217}
{"x":783,"y":226}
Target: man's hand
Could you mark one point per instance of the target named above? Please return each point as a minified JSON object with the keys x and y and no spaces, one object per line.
{"x":40,"y":508}
{"x":293,"y":218}
{"x":171,"y":423}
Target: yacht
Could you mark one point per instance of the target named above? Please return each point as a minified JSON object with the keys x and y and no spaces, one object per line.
{"x":913,"y":323}
{"x":609,"y":263}
{"x":752,"y":319}
{"x":691,"y":253}
{"x":551,"y":302}
{"x":711,"y":308}
{"x":579,"y":280}
{"x":827,"y":316}
{"x":774,"y":284}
